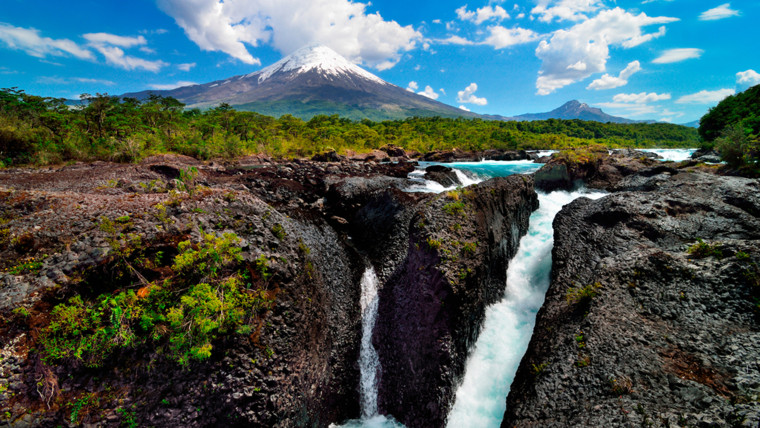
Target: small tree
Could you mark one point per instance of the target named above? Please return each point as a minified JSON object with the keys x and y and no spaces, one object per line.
{"x":735,"y":147}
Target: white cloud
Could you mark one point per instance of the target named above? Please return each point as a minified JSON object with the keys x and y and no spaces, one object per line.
{"x":588,"y":42}
{"x":110,"y":46}
{"x":112,"y":39}
{"x":636,"y":104}
{"x":676,"y":55}
{"x":116,"y":56}
{"x":186,"y":66}
{"x":482,"y":14}
{"x":720,"y":12}
{"x":288,"y":25}
{"x":168,"y":86}
{"x":499,"y":38}
{"x":456,"y":40}
{"x":429,"y":92}
{"x":464,"y":108}
{"x":94,"y":81}
{"x":147,"y":50}
{"x":412,"y":86}
{"x":640,"y":98}
{"x":54,"y":80}
{"x":748,"y":78}
{"x":30,"y":41}
{"x":565,"y":10}
{"x":467,"y":96}
{"x":706,"y":97}
{"x":609,"y":82}
{"x":630,"y":109}
{"x":502,"y":37}
{"x":436,"y":21}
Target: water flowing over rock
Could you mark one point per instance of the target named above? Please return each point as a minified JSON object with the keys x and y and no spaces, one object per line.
{"x":438,"y":275}
{"x":311,"y":227}
{"x":642,"y":323}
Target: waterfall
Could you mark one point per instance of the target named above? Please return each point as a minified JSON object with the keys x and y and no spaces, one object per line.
{"x":491,"y":366}
{"x":369,"y":363}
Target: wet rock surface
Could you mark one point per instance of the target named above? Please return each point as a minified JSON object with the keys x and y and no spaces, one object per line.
{"x":443,"y":264}
{"x":443,"y":175}
{"x":664,"y":336}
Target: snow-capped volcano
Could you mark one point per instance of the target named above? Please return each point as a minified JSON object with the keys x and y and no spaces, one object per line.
{"x":313,"y":80}
{"x":319,"y":58}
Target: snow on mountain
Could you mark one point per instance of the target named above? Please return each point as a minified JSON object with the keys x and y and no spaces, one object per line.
{"x":319,"y":58}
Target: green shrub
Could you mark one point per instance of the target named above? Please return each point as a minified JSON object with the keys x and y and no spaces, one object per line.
{"x":702,"y":249}
{"x":582,"y":295}
{"x":278,"y":231}
{"x":181,"y":315}
{"x":208,"y":256}
{"x":433,"y":244}
{"x":455,"y":208}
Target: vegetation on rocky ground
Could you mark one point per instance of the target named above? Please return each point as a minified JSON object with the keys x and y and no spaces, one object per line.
{"x":209,"y":294}
{"x":40,"y":131}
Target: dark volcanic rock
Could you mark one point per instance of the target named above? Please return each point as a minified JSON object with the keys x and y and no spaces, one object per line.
{"x":706,"y":155}
{"x":316,"y":224}
{"x":671,"y":338}
{"x":442,"y":175}
{"x":595,"y":167}
{"x":437,"y":279}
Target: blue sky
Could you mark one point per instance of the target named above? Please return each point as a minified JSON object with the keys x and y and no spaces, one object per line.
{"x":645,"y":59}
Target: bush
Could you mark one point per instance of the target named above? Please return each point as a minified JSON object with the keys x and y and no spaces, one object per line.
{"x":181,"y":315}
{"x":582,"y":295}
{"x":735,"y":148}
{"x":702,"y":249}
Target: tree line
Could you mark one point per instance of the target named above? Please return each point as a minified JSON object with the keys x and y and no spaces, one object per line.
{"x":733,"y":129}
{"x":41,"y":130}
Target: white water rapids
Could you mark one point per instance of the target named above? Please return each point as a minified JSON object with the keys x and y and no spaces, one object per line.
{"x":481,"y":398}
{"x":369,"y":363}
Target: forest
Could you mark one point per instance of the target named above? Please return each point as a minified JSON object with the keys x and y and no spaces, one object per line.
{"x":733,"y":129}
{"x":37,"y":130}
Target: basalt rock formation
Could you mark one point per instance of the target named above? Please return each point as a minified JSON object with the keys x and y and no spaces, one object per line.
{"x":652,"y":315}
{"x":594,"y":167}
{"x":433,"y":302}
{"x":306,"y":230}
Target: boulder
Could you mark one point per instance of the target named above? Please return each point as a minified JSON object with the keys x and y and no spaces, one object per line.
{"x":443,"y":175}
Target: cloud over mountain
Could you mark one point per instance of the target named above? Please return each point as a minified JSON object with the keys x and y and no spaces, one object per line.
{"x":234,"y":25}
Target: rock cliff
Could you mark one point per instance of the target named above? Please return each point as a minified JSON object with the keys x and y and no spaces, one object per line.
{"x":84,"y":239}
{"x":652,"y":313}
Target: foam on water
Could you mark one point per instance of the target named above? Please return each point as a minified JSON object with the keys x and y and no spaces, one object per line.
{"x":490,"y":369}
{"x":369,"y":363}
{"x":675,"y":155}
{"x":469,"y":173}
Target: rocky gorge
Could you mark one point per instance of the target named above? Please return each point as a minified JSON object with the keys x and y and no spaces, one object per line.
{"x":650,"y":317}
{"x":84,"y":239}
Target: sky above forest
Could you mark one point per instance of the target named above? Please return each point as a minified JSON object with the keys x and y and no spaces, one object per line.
{"x":667,"y":60}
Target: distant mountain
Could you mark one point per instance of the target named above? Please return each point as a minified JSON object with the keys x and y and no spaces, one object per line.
{"x":575,"y":110}
{"x":313,"y":80}
{"x":692,"y":124}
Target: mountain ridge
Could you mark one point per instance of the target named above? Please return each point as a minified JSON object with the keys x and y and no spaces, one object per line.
{"x":313,"y":80}
{"x":317,"y":80}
